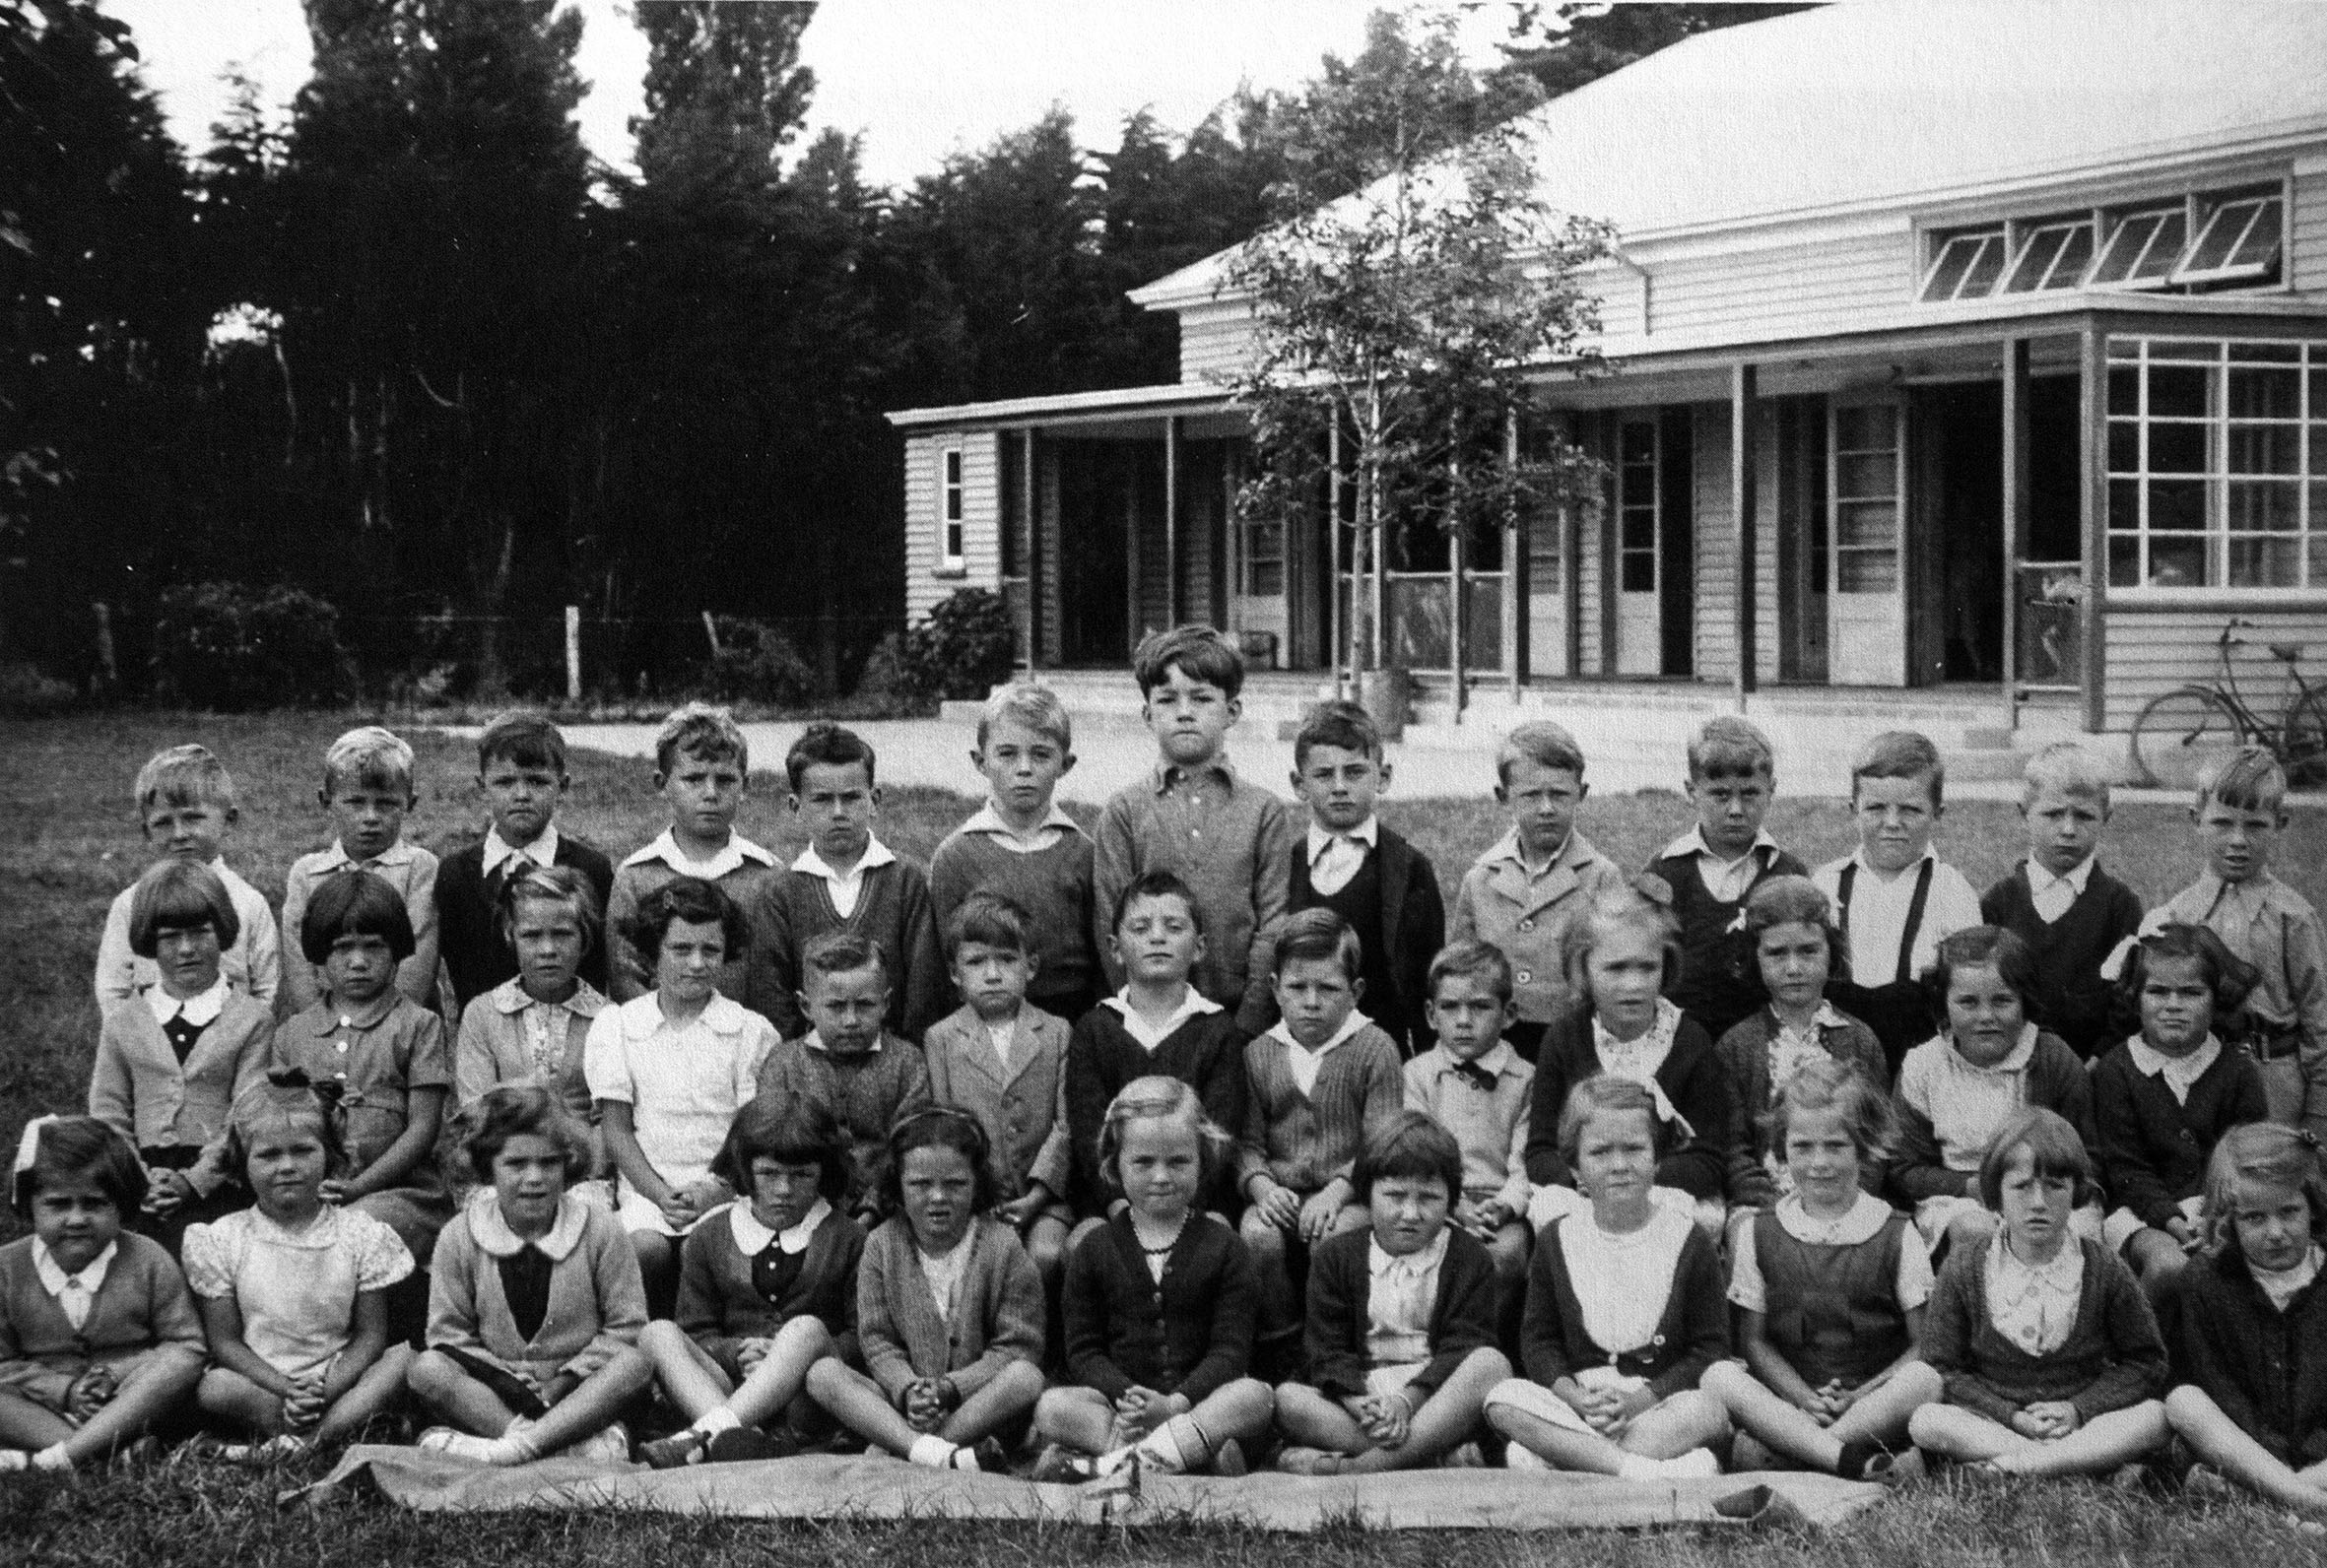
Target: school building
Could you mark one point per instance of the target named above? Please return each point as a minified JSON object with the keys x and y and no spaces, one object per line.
{"x":1973,"y":349}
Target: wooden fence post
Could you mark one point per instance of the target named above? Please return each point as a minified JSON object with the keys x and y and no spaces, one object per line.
{"x":574,"y":653}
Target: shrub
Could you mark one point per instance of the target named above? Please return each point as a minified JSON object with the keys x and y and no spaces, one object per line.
{"x":232,"y":648}
{"x":885,"y":688}
{"x":755,"y":663}
{"x":965,"y":647}
{"x":27,"y":693}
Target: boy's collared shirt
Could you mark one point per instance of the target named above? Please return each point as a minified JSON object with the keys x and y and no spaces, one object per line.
{"x":1047,"y":832}
{"x":1336,"y":857}
{"x":732,"y":857}
{"x":1303,"y":1063}
{"x":2271,"y":927}
{"x":1488,"y":1120}
{"x":253,"y":962}
{"x":1525,"y":912}
{"x":845,"y":890}
{"x":2052,"y":896}
{"x":1728,"y":881}
{"x":1194,"y":1005}
{"x":1877,"y":916}
{"x":403,"y":865}
{"x":542,"y":851}
{"x":814,"y":1040}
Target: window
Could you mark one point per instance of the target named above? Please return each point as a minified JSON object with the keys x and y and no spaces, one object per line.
{"x":1964,"y":265}
{"x":1264,"y":559}
{"x":949,"y":527}
{"x":1867,"y":482}
{"x":2217,"y":461}
{"x":2143,"y":247}
{"x":2237,"y":242}
{"x":1635,"y":539}
{"x":2051,"y":256}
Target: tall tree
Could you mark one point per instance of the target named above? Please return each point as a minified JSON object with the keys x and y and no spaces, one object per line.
{"x":725,"y":88}
{"x":1563,"y":47}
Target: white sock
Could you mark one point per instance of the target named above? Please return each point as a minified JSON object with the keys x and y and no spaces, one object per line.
{"x":14,"y":1459}
{"x":1640,"y":1468}
{"x":1166,"y":1451}
{"x":1699,"y":1464}
{"x":52,"y":1457}
{"x":931,"y":1450}
{"x":965,"y":1457}
{"x":719,"y":1418}
{"x":1113,"y":1459}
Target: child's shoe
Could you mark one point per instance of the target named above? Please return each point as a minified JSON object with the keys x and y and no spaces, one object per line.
{"x":454,"y":1444}
{"x":1517,"y":1455}
{"x":609,"y":1446}
{"x":679,"y":1449}
{"x":1228,"y":1460}
{"x":740,"y":1444}
{"x":273,"y":1450}
{"x":1300,"y":1460}
{"x":1749,"y":1453}
{"x":1464,"y":1456}
{"x":1060,"y":1466}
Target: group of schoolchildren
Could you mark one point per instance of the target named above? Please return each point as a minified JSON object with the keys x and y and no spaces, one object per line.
{"x":1202,"y":1141}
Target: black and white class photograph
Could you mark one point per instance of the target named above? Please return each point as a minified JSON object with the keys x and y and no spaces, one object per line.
{"x":1163,"y":783}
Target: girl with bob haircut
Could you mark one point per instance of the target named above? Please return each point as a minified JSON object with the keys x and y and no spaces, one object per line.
{"x":2254,"y":1324}
{"x":532,"y":1027}
{"x":949,"y":1308}
{"x":1829,"y":1286}
{"x":2043,"y":1340}
{"x":767,"y":1289}
{"x":98,"y":1340}
{"x":534,"y":1301}
{"x":1797,"y":949}
{"x":1956,"y":1089}
{"x":1159,"y":1305}
{"x":2165,"y":1096}
{"x":1624,"y":1312}
{"x":171,"y":1061}
{"x":294,"y":1292}
{"x":1618,"y":958}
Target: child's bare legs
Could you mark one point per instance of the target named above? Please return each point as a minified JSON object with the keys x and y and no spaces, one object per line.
{"x":858,"y":1404}
{"x":2221,"y":1443}
{"x":1271,"y":1248}
{"x":595,"y":1405}
{"x":2157,"y":1261}
{"x":1312,"y":1418}
{"x":698,"y":1385}
{"x":1047,"y":1246}
{"x":1008,"y":1398}
{"x":1686,"y":1422}
{"x":1079,"y":1418}
{"x":1084,"y":1419}
{"x":29,"y":1426}
{"x":2095,"y":1448}
{"x":1879,"y":1416}
{"x":447,"y":1388}
{"x":658,"y":1268}
{"x":230,"y":1397}
{"x":1443,"y":1421}
{"x":148,"y":1388}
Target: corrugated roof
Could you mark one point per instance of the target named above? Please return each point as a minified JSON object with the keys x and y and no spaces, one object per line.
{"x":1886,"y":102}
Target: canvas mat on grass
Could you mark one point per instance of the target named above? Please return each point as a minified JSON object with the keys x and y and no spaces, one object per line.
{"x":823,"y":1487}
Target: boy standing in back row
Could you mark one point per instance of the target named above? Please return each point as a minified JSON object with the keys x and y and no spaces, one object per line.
{"x":1230,"y":841}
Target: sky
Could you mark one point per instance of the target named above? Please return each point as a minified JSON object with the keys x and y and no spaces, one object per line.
{"x":919,"y":79}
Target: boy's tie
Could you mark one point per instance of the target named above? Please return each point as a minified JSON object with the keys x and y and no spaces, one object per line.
{"x":1479,"y":1077}
{"x":1336,"y":864}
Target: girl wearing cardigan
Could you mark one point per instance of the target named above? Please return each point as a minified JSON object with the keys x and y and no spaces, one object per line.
{"x":534,"y":1299}
{"x":170,"y":1062}
{"x":949,"y":1308}
{"x":2045,"y":1344}
{"x":767,"y":1289}
{"x":1624,"y":1312}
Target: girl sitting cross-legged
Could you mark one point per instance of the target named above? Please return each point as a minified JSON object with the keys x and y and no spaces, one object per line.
{"x":1160,"y":1307}
{"x":1829,"y":1286}
{"x":534,"y":1299}
{"x":949,"y":1308}
{"x":1624,"y":1312}
{"x":767,"y":1289}
{"x":292,"y":1290}
{"x":2046,"y":1346}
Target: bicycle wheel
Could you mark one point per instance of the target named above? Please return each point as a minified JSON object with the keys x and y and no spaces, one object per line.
{"x":2182,"y":734}
{"x":2302,"y":748}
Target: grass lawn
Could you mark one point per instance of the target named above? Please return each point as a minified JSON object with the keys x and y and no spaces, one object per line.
{"x":69,"y":842}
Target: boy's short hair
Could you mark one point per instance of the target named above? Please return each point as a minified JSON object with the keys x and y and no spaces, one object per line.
{"x":1199,"y":652}
{"x":693,"y":900}
{"x":2051,"y":1142}
{"x":174,"y":894}
{"x":842,"y":953}
{"x":355,"y":903}
{"x":1790,"y":900}
{"x":525,"y":738}
{"x":1606,"y":1093}
{"x":1470,"y":959}
{"x":706,"y":733}
{"x":2260,"y":1151}
{"x":1340,"y":724}
{"x":790,"y":1132}
{"x":830,"y":746}
{"x":1155,"y":884}
{"x":564,"y":884}
{"x":368,"y":755}
{"x":1824,"y":1083}
{"x":1728,"y":747}
{"x":78,"y":1147}
{"x":1980,"y":948}
{"x":184,"y":775}
{"x":1411,"y":1147}
{"x":2250,"y":779}
{"x":1899,"y":754}
{"x":991,"y":919}
{"x":1314,"y":934}
{"x":1542,"y":743}
{"x":520,"y":1110}
{"x":1036,"y":707}
{"x":2068,"y":767}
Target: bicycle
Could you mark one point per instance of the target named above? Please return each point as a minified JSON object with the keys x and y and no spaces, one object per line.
{"x":2183,"y":733}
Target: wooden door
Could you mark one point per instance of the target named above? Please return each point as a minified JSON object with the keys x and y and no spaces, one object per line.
{"x":1639,"y":558}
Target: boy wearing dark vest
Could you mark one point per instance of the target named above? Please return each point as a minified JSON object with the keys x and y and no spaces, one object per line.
{"x":2070,"y":912}
{"x":1713,"y":867}
{"x":1894,"y":898}
{"x":1382,"y":887}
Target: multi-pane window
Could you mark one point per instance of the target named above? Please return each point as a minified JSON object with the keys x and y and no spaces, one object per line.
{"x":1636,"y":466}
{"x":1964,"y":266}
{"x":2237,"y":241}
{"x":2217,"y":464}
{"x":949,"y":528}
{"x":1867,"y":479}
{"x":2143,"y":246}
{"x":2221,"y":237}
{"x":1264,"y":558}
{"x":2051,"y":256}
